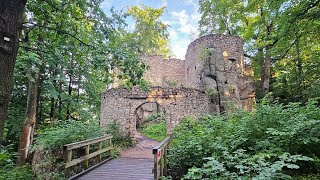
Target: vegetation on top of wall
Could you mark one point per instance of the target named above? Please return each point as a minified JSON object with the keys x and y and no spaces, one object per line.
{"x":273,"y":142}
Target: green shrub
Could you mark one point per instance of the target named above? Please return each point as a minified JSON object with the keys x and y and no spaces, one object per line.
{"x":49,"y":143}
{"x":8,"y":171}
{"x":274,"y":141}
{"x":16,"y":173}
{"x":63,"y":132}
{"x":156,"y":131}
{"x":154,"y":127}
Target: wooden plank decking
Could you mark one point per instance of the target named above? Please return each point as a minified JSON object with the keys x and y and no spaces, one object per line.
{"x":134,"y":164}
{"x":122,"y":169}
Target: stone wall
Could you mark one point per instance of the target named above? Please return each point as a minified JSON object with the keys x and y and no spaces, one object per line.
{"x":164,"y":72}
{"x":121,"y":105}
{"x":212,"y":78}
{"x":214,"y":64}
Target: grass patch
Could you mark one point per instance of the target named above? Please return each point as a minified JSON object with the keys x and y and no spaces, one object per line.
{"x":156,"y":131}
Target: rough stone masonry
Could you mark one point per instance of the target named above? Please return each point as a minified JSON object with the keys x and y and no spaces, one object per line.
{"x":212,"y":79}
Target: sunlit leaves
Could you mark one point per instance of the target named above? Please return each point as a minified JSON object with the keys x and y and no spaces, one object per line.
{"x":150,"y":33}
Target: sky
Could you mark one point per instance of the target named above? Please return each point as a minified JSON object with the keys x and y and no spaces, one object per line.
{"x":181,"y":15}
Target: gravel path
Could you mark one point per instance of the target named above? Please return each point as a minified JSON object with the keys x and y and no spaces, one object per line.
{"x":143,"y":148}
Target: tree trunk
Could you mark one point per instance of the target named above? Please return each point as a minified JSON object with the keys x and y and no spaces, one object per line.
{"x":26,"y":137}
{"x":70,"y":87}
{"x":266,"y":71}
{"x":299,"y":71}
{"x":10,"y":25}
{"x":52,"y":111}
{"x":69,"y":93}
{"x":261,"y":64}
{"x":53,"y":103}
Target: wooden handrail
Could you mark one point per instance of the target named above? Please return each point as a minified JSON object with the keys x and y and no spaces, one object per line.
{"x":68,"y":148}
{"x":160,"y":158}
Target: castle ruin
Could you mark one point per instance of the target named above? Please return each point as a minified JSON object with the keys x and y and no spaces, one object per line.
{"x":212,"y":79}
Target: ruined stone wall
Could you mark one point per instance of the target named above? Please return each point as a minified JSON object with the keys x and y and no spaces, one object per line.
{"x":121,"y":105}
{"x":164,"y":72}
{"x":212,"y":78}
{"x":214,"y":64}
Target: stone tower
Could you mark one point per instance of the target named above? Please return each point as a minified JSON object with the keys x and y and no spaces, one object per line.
{"x":215,"y":64}
{"x":212,"y":78}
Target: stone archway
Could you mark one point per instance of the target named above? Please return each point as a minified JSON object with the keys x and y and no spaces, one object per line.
{"x":146,"y":109}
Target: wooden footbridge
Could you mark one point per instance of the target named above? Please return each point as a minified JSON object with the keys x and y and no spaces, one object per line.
{"x":146,"y":161}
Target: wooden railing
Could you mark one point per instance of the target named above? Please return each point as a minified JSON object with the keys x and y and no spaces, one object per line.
{"x":69,"y":148}
{"x":160,"y":158}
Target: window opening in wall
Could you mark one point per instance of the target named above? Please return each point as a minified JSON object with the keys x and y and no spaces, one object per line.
{"x":195,"y":67}
{"x":232,"y":60}
{"x":188,"y":71}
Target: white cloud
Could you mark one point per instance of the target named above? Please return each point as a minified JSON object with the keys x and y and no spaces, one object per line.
{"x":180,"y":48}
{"x":164,"y":3}
{"x":184,"y":26}
{"x":187,"y":24}
{"x":189,"y":2}
{"x":173,"y":34}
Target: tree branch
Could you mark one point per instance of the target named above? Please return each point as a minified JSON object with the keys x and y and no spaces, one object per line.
{"x":63,"y":32}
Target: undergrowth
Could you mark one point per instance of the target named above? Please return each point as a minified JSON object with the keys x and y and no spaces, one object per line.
{"x":273,"y":142}
{"x":52,"y":139}
{"x":8,"y":170}
{"x":154,"y":127}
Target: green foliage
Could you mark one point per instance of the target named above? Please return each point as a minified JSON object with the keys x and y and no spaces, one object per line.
{"x":77,"y":48}
{"x":155,"y":127}
{"x":275,"y":141}
{"x":169,"y":83}
{"x":16,"y":173}
{"x":53,"y":138}
{"x":156,"y":131}
{"x":8,"y":171}
{"x":49,"y":143}
{"x":150,"y":34}
{"x":281,"y":36}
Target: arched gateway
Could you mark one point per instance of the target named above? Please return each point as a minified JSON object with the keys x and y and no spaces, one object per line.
{"x":123,"y":105}
{"x":213,"y":78}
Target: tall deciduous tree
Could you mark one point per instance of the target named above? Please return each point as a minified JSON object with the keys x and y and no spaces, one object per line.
{"x":10,"y":25}
{"x":264,"y":27}
{"x":150,"y":34}
{"x":77,"y":45}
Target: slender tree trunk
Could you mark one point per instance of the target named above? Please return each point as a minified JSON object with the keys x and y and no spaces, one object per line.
{"x":266,"y":71}
{"x":60,"y":100}
{"x":70,"y":87}
{"x":299,"y":71}
{"x":26,"y":137}
{"x":69,"y":93}
{"x":53,"y":103}
{"x":39,"y":102}
{"x":10,"y":25}
{"x":261,"y":64}
{"x":52,"y":111}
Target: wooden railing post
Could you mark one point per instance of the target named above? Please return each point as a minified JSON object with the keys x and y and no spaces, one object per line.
{"x":86,"y":162}
{"x":155,"y":167}
{"x":160,"y":156}
{"x":161,"y":163}
{"x":100,"y":147}
{"x":165,"y":161}
{"x":68,"y":160}
{"x":111,"y":146}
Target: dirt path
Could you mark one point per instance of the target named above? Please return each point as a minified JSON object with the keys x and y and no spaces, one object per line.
{"x":143,"y":148}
